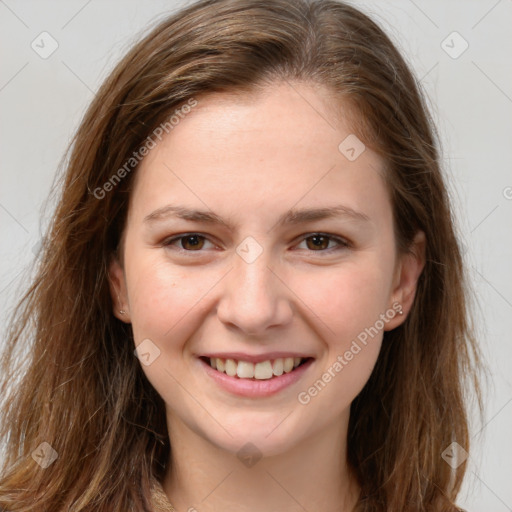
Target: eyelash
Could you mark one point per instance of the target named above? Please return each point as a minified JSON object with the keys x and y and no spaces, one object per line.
{"x":343,"y":244}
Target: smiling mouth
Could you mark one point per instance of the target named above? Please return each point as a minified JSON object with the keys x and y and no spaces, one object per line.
{"x":264,"y":370}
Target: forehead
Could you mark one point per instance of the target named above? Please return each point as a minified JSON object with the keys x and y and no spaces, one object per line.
{"x":271,"y":149}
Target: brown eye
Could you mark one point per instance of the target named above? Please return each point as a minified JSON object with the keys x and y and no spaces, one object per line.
{"x":319,"y":242}
{"x":191,"y":242}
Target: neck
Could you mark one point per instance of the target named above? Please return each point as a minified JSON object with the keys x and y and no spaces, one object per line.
{"x":313,"y":475}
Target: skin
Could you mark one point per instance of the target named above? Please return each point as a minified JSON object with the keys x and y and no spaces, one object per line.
{"x":249,"y":159}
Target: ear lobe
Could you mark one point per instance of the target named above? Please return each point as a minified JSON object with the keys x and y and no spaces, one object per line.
{"x":409,"y":270}
{"x":118,"y":292}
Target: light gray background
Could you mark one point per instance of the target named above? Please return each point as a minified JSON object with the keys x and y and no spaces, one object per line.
{"x":42,"y":101}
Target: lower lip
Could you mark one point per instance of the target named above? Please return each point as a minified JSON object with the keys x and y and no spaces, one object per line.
{"x":253,"y":387}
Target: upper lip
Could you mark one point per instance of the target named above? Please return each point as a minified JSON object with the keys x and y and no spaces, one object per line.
{"x":254,"y":358}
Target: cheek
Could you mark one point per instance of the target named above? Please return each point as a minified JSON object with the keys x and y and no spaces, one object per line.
{"x":162,"y":298}
{"x":348,"y":303}
{"x":348,"y":298}
{"x":164,"y":308}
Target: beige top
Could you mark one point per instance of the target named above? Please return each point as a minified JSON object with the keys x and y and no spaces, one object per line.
{"x":159,"y":499}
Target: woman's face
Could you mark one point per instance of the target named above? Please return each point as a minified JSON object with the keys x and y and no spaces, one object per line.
{"x":255,"y":278}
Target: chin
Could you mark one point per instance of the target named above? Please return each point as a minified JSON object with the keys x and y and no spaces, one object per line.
{"x":253,"y":435}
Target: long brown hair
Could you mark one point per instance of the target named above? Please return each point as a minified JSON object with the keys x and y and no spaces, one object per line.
{"x":82,"y":391}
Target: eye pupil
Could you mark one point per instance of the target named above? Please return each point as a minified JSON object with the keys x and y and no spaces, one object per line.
{"x":319,"y":241}
{"x":195,"y":241}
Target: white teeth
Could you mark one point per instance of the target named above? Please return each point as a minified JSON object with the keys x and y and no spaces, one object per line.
{"x":230,"y":368}
{"x":288,"y":364}
{"x":245,"y":370}
{"x":278,"y":367}
{"x":261,"y":371}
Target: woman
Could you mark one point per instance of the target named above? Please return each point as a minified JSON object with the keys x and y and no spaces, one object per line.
{"x":251,"y":295}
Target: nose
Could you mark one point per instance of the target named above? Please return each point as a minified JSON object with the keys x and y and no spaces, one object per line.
{"x":254,"y":298}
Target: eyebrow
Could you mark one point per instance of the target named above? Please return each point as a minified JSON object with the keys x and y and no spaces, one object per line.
{"x":291,"y":217}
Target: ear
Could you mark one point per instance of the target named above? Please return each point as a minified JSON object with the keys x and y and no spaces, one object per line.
{"x":407,"y":272}
{"x":118,"y":290}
